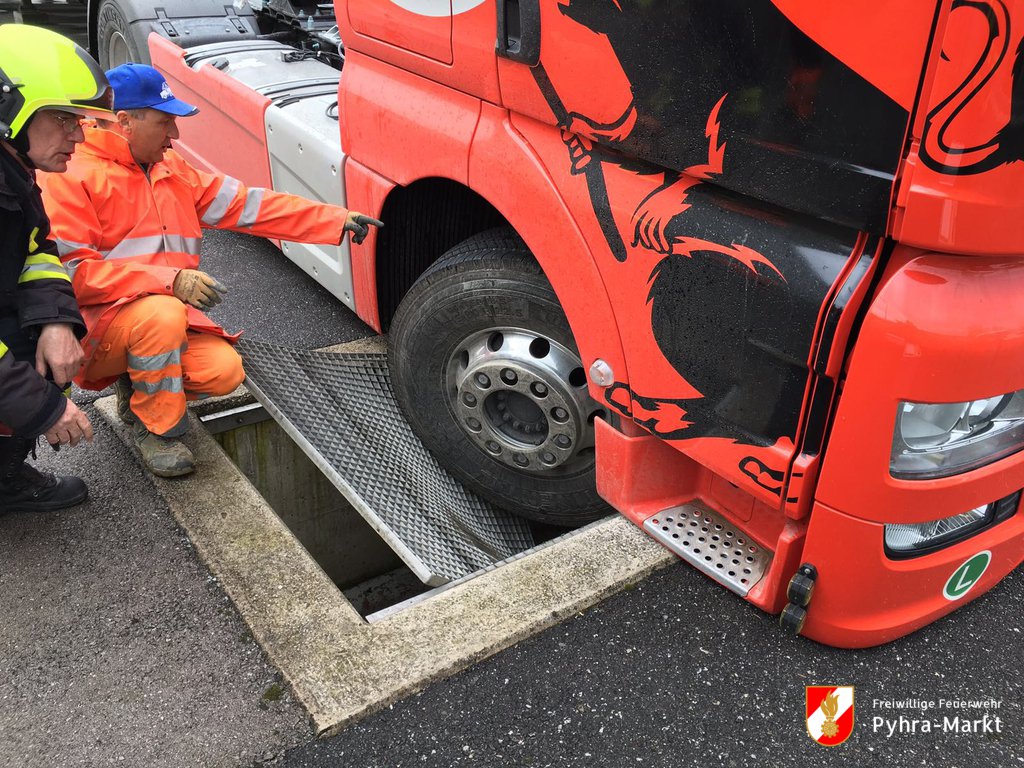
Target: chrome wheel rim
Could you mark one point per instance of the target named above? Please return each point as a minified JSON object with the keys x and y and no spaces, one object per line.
{"x":522,"y":399}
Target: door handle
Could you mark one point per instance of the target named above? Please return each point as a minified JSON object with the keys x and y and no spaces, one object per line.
{"x":519,"y":31}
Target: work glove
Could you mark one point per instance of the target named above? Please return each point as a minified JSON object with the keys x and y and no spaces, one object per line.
{"x":198,"y":289}
{"x":357,"y":224}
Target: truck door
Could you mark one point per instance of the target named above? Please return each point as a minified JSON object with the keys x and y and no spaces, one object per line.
{"x":729,"y":161}
{"x":388,"y":21}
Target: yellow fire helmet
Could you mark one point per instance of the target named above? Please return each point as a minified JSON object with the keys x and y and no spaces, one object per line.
{"x":40,"y":69}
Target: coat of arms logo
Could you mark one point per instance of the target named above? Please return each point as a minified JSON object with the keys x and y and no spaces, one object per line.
{"x":829,"y":713}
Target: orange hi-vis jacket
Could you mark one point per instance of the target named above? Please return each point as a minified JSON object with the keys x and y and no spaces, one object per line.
{"x":123,"y":233}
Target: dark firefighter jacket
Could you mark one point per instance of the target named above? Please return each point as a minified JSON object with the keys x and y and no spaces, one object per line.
{"x":34,"y":291}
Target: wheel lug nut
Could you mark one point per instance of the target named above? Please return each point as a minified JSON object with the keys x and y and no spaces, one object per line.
{"x":509,"y":376}
{"x":538,"y":389}
{"x":521,"y":460}
{"x":469,"y":399}
{"x":473,"y":424}
{"x":562,"y":441}
{"x":547,"y":457}
{"x":482,"y":380}
{"x":493,"y":447}
{"x":559,"y":414}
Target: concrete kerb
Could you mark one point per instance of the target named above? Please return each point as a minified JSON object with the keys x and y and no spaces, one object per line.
{"x":342,"y":668}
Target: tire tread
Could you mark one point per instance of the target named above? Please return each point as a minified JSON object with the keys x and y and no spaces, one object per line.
{"x":497,"y":256}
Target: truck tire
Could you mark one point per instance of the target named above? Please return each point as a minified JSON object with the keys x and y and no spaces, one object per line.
{"x":118,"y":41}
{"x":486,"y":370}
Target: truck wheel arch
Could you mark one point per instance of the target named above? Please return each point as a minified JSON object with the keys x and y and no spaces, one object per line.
{"x":435,"y":205}
{"x":429,"y":216}
{"x":506,"y":170}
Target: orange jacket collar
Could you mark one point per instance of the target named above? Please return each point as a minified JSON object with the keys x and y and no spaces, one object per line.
{"x":111,"y":145}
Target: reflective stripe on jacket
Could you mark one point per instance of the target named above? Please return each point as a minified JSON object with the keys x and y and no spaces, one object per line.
{"x":123,"y":234}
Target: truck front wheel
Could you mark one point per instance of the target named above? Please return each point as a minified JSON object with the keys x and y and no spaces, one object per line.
{"x":486,"y":370}
{"x":118,"y":41}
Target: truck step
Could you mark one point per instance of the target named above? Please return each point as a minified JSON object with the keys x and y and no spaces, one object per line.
{"x":712,"y":544}
{"x":340,"y":409}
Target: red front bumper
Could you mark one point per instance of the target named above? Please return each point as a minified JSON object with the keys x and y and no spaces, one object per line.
{"x":864,"y":598}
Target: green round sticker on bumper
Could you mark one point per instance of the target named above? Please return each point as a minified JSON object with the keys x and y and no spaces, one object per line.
{"x":966,"y":576}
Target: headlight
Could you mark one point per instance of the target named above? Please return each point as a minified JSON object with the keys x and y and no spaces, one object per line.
{"x":909,"y":539}
{"x":941,"y":439}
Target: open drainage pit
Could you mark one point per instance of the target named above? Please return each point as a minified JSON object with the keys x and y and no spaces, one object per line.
{"x":345,"y":657}
{"x":373,"y":579}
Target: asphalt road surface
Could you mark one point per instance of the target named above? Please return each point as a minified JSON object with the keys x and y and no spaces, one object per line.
{"x":679,"y":672}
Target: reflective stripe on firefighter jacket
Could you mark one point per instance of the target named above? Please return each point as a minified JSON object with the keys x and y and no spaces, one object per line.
{"x":123,"y":233}
{"x":35,"y":290}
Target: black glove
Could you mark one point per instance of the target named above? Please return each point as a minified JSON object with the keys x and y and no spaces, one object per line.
{"x":357,"y":224}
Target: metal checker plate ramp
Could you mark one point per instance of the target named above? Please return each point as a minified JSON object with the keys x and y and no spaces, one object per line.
{"x":340,"y":408}
{"x":710,"y":543}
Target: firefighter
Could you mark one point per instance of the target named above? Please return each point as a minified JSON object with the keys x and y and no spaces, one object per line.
{"x":128,"y":217}
{"x":47,"y":85}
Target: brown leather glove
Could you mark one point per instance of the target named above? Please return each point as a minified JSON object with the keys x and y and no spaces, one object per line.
{"x":198,"y":289}
{"x":358,"y":224}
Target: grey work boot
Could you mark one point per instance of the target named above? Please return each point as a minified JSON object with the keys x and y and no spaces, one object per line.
{"x":123,"y":390}
{"x":163,"y":456}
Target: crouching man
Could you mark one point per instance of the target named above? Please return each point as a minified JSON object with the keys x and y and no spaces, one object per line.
{"x":48,"y":84}
{"x":128,"y":218}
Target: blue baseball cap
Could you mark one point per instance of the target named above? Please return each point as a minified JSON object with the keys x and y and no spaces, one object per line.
{"x":139,"y":86}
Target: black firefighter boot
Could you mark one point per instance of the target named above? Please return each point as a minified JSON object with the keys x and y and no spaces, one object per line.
{"x":25,"y":489}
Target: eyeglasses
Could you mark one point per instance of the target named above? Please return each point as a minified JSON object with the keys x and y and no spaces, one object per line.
{"x":70,"y":123}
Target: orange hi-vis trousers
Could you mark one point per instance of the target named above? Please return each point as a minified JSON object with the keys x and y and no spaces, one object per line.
{"x":167,"y":363}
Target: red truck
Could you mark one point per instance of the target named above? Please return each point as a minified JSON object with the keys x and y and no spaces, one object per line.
{"x":749,"y":272}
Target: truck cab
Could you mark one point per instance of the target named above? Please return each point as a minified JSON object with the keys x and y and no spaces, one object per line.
{"x":748,"y":273}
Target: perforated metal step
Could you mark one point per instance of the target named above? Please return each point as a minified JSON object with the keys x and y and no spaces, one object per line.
{"x":712,"y":544}
{"x":339,"y":407}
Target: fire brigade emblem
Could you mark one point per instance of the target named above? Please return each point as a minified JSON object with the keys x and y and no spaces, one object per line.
{"x":829,"y":713}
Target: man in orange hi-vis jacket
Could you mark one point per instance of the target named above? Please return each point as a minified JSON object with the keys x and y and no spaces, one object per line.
{"x":128,"y":218}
